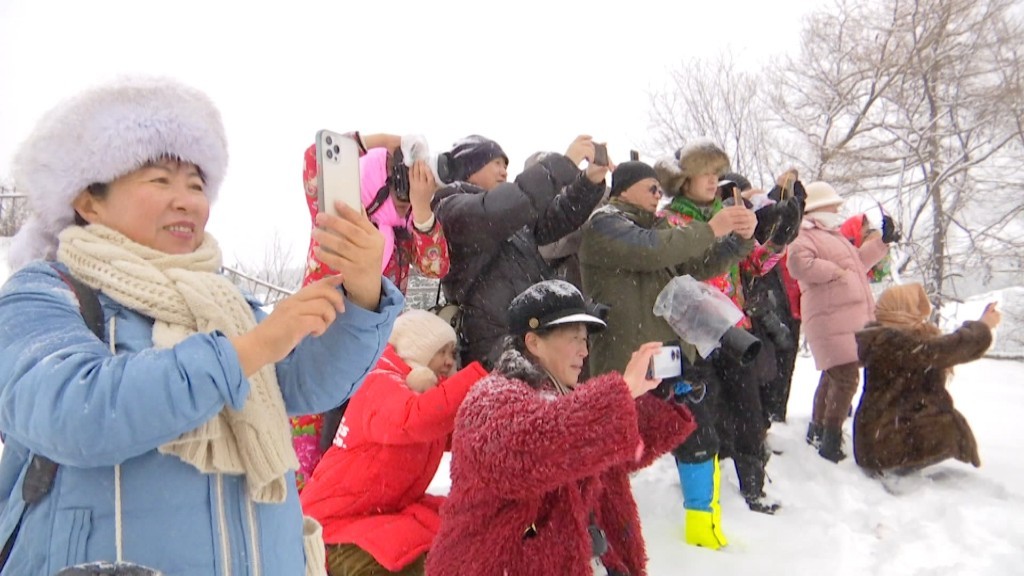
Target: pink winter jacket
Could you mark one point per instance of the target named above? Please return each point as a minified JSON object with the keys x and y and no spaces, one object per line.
{"x":833,"y":309}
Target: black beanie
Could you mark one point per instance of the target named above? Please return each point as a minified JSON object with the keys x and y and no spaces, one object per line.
{"x":629,"y":173}
{"x":473,"y":153}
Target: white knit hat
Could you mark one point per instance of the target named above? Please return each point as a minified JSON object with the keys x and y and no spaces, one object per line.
{"x":820,"y":195}
{"x":417,"y":335}
{"x":102,"y":134}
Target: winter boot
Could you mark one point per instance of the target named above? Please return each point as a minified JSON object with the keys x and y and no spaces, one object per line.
{"x":814,"y":434}
{"x":704,"y":530}
{"x":831,"y":447}
{"x":701,"y":483}
{"x":750,"y":471}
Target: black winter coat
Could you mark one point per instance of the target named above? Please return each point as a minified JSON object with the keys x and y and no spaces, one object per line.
{"x":493,"y":238}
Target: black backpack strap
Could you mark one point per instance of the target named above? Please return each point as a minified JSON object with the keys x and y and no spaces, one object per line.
{"x":88,"y":302}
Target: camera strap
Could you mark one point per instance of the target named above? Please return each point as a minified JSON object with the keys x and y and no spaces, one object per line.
{"x":378,"y":200}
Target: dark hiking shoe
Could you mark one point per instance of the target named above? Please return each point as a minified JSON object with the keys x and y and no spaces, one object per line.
{"x":831,"y":447}
{"x":761,"y":503}
{"x":814,"y":434}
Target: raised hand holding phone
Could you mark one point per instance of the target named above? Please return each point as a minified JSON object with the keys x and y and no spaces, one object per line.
{"x":337,"y":157}
{"x":352,"y":245}
{"x":991,"y":317}
{"x":635,"y":373}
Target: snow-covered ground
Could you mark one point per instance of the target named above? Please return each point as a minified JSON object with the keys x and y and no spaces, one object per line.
{"x":949,"y":520}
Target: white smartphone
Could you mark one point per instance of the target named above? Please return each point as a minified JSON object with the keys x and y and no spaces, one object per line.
{"x":337,"y":178}
{"x":666,"y":363}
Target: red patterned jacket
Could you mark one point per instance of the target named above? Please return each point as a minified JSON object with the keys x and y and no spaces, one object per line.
{"x":529,"y":468}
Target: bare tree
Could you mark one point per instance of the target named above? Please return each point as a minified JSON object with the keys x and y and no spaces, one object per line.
{"x":713,"y":99}
{"x":916,"y":104}
{"x":274,"y":277}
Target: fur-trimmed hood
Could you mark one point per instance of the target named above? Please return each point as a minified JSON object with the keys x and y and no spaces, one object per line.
{"x":102,"y":134}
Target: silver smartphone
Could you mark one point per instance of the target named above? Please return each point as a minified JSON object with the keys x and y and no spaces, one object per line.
{"x":337,"y":179}
{"x":666,"y":363}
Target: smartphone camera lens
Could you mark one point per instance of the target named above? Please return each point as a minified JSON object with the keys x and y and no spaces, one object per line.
{"x":329,"y":140}
{"x":336,"y":149}
{"x":329,"y":154}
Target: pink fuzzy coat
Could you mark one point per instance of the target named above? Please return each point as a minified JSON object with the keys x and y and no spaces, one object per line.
{"x":833,"y":308}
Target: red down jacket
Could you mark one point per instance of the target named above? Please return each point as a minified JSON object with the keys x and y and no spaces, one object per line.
{"x":370,"y":487}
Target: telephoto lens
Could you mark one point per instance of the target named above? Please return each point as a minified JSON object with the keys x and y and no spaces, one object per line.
{"x":740,"y":346}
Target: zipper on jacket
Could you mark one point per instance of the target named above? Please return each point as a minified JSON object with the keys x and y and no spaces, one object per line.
{"x":254,"y":536}
{"x":222,"y":522}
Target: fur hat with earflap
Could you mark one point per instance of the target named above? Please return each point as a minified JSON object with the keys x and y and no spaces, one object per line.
{"x":416,"y":336}
{"x":699,"y":157}
{"x":102,"y":134}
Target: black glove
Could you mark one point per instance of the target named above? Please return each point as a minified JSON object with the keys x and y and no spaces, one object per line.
{"x":800,"y":193}
{"x":780,"y":334}
{"x":787,"y":224}
{"x":890,"y":232}
{"x":665,"y":390}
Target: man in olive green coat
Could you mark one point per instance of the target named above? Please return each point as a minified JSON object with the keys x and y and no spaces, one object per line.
{"x":628,"y":255}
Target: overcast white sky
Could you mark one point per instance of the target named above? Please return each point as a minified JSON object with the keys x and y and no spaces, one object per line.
{"x":529,"y":74}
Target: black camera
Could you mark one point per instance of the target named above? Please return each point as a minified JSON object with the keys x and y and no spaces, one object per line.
{"x":446,"y":168}
{"x":398,"y":176}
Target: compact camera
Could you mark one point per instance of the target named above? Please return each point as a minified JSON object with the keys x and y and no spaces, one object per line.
{"x":666,"y":363}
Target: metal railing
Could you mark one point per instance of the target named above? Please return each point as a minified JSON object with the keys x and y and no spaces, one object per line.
{"x":8,"y":215}
{"x":262,"y":290}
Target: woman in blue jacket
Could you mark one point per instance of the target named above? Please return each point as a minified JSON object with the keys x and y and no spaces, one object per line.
{"x":169,"y":433}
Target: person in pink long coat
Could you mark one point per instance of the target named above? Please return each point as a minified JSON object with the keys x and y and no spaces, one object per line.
{"x":835,"y":303}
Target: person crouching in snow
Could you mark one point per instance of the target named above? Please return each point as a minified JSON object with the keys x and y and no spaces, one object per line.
{"x":369,"y":490}
{"x":906,"y":419}
{"x":541,"y":464}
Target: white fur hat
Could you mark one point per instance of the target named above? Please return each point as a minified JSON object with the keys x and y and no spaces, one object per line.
{"x":417,"y":335}
{"x":819,"y":195}
{"x":102,"y":134}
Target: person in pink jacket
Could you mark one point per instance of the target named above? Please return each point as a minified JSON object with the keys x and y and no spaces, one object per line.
{"x":369,"y":490}
{"x":835,"y":303}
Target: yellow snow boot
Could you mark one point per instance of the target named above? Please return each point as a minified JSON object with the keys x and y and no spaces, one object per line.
{"x":703,"y":531}
{"x":703,"y":527}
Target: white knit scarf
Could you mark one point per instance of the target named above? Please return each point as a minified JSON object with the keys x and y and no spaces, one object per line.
{"x":185,"y":294}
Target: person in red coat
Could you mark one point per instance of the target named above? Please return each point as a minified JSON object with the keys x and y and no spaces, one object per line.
{"x":540,"y":464}
{"x":369,"y":490}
